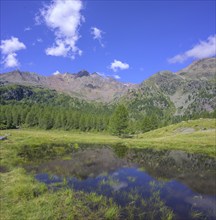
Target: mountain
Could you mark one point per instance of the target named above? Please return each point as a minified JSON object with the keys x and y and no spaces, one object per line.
{"x":83,"y":85}
{"x":202,"y":69}
{"x":188,"y":91}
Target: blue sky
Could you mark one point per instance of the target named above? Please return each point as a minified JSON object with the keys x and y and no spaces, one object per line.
{"x":127,"y":40}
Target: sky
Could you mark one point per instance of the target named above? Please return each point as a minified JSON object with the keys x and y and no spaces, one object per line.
{"x":126,"y":40}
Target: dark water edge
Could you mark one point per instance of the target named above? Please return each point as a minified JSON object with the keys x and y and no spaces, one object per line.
{"x":146,"y":183}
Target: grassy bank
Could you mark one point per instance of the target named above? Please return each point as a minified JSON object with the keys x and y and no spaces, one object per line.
{"x":24,"y":198}
{"x":196,"y":136}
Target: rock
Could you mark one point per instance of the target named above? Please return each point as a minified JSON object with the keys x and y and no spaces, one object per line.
{"x":3,"y":138}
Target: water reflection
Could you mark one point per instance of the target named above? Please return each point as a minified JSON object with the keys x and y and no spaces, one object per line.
{"x":84,"y":163}
{"x":195,"y":170}
{"x":148,"y":184}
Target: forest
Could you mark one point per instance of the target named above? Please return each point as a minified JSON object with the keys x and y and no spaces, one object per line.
{"x":27,"y":107}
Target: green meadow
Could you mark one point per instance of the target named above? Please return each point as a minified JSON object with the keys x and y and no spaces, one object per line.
{"x":197,"y":136}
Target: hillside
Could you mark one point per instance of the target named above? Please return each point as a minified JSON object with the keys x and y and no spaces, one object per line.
{"x":189,"y":91}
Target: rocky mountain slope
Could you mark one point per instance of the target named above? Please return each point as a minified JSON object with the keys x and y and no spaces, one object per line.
{"x":191,"y":90}
{"x":83,"y":85}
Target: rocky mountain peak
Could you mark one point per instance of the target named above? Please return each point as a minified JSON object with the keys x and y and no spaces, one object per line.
{"x":82,"y":73}
{"x":204,"y":68}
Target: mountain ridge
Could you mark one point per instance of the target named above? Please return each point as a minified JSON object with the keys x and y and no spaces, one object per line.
{"x":189,"y":90}
{"x":91,"y":87}
{"x":182,"y":92}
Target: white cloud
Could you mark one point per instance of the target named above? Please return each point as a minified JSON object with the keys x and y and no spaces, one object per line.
{"x":8,"y":48}
{"x":11,"y":45}
{"x":38,"y":20}
{"x":56,"y":73}
{"x":59,"y":50}
{"x":64,"y":18}
{"x":116,"y":76}
{"x":201,"y":50}
{"x":27,"y":29}
{"x":39,"y":40}
{"x":11,"y":60}
{"x":101,"y":74}
{"x":97,"y":34}
{"x":118,"y":65}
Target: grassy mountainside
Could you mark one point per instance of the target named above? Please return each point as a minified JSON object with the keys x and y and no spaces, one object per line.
{"x":149,"y":99}
{"x":189,"y":91}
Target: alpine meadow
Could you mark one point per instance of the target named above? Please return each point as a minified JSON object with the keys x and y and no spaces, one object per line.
{"x":108,"y":110}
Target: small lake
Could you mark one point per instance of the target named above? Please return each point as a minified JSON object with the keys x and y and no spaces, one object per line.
{"x":146,"y":183}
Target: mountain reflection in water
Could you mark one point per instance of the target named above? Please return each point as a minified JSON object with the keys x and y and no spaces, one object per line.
{"x":183,"y":182}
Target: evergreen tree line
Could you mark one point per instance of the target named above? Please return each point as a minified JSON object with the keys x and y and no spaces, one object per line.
{"x":118,"y":122}
{"x":204,"y":114}
{"x":49,"y":117}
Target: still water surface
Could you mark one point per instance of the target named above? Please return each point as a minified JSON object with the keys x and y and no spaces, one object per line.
{"x":148,"y":183}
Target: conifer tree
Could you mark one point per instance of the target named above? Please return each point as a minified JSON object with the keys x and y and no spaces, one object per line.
{"x":119,"y":121}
